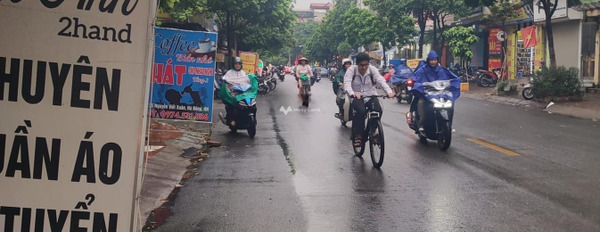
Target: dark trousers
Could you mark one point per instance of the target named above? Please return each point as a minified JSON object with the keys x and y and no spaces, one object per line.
{"x":361,"y":108}
{"x":231,"y":112}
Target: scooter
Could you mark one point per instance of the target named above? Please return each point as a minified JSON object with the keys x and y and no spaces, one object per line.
{"x":439,"y":111}
{"x":489,"y":79}
{"x":403,"y":91}
{"x":345,"y":112}
{"x":272,"y":82}
{"x":281,"y":75}
{"x":527,"y":92}
{"x":243,"y":115}
{"x":263,"y":84}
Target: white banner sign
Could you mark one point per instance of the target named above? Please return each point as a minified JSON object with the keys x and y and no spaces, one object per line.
{"x":73,"y":90}
{"x":540,"y":15}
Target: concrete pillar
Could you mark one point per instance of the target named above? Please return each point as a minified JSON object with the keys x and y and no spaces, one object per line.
{"x":597,"y":58}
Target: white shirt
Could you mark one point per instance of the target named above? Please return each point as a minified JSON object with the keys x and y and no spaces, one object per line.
{"x":303,"y":69}
{"x":362,"y":83}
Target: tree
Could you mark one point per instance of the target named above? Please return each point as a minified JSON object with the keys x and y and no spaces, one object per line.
{"x":324,"y":42}
{"x":460,"y":41}
{"x":440,"y":11}
{"x":344,"y":49}
{"x":401,"y":24}
{"x":181,"y":10}
{"x":247,"y":18}
{"x":549,"y":9}
{"x":303,"y":31}
{"x":363,"y":27}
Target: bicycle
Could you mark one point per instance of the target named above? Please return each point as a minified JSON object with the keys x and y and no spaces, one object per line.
{"x":374,"y":135}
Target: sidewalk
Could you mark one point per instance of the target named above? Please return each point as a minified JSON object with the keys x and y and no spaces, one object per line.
{"x":176,"y":147}
{"x":589,"y":108}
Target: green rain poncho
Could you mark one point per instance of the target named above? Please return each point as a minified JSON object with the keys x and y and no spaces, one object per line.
{"x":232,"y":98}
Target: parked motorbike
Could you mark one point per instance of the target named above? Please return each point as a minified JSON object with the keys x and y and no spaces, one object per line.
{"x":217,"y":83}
{"x":439,"y":111}
{"x":272,"y":82}
{"x":489,"y":79}
{"x":403,"y":91}
{"x":242,"y":116}
{"x":305,"y":91}
{"x":263,"y":84}
{"x":527,"y":92}
{"x":470,"y":75}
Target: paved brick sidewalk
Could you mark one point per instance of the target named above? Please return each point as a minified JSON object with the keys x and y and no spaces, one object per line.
{"x":589,"y":108}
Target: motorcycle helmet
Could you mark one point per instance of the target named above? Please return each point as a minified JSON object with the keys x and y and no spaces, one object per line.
{"x":344,"y":61}
{"x":237,"y":60}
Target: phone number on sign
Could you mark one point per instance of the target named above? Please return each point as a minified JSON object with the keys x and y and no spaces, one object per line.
{"x":168,"y":114}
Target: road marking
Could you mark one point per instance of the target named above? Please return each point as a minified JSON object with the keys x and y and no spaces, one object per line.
{"x":493,"y":147}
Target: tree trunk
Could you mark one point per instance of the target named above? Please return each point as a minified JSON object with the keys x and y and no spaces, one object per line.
{"x":384,"y":59}
{"x":550,"y":37}
{"x":435,"y":44}
{"x":422,"y":24}
{"x":230,"y":41}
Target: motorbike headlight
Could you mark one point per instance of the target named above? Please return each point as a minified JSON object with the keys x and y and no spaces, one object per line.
{"x":441,"y":103}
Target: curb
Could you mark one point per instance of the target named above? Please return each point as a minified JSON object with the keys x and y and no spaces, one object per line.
{"x":504,"y":100}
{"x":557,"y":109}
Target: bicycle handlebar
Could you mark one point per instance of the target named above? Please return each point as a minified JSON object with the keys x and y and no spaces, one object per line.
{"x":372,"y":96}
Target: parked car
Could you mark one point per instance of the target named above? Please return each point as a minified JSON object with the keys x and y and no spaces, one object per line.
{"x":323,"y":72}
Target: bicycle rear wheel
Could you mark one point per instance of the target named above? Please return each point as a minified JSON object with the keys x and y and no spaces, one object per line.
{"x":376,"y":143}
{"x":358,"y":151}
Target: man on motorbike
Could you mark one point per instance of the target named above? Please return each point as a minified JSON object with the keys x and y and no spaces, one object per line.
{"x":427,"y":72}
{"x":361,"y":81}
{"x":303,"y":68}
{"x":338,"y":81}
{"x":234,"y":77}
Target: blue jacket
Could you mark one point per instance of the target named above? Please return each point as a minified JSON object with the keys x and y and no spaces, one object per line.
{"x":426,"y":73}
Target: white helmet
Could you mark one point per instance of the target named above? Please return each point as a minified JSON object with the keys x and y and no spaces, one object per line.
{"x":344,"y":61}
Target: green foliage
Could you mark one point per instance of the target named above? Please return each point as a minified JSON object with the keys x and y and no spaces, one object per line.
{"x":274,"y":59}
{"x":404,"y":27}
{"x":557,"y":82}
{"x":400,"y":17}
{"x":477,"y":3}
{"x":502,"y":12}
{"x":460,"y":40}
{"x":323,"y":44}
{"x":344,"y":49}
{"x":363,"y":27}
{"x":303,"y":31}
{"x":501,"y":85}
{"x":181,"y":10}
{"x":397,"y":17}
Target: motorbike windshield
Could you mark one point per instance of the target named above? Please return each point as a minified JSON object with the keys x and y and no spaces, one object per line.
{"x":438,"y":89}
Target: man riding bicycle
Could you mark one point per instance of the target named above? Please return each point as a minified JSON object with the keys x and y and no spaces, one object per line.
{"x":360,"y":81}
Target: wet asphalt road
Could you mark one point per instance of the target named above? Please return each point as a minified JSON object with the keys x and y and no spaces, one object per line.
{"x":300,"y":174}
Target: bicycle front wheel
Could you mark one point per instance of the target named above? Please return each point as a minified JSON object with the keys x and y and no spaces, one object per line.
{"x":376,"y":143}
